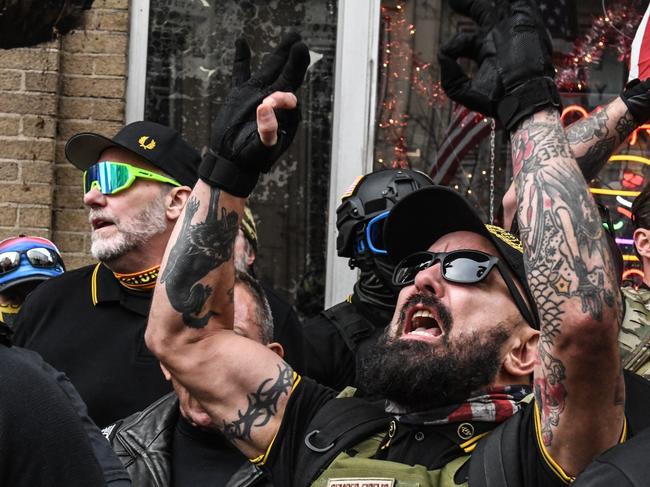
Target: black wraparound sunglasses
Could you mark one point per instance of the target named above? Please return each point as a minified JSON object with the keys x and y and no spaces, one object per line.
{"x":462,"y":267}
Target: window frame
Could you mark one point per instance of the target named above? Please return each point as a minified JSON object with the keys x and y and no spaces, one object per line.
{"x":355,"y":81}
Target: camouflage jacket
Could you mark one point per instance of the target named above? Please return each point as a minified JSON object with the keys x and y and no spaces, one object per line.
{"x":634,"y":339}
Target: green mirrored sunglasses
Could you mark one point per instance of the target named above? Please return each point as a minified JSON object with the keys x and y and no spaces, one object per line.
{"x":111,"y":177}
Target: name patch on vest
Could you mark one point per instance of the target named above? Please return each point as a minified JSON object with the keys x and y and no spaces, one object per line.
{"x":357,"y":482}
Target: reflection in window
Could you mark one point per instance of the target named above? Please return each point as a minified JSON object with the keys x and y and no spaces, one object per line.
{"x":418,"y":127}
{"x":188,"y":68}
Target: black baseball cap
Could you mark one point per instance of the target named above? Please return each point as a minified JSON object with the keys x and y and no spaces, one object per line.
{"x":160,"y":145}
{"x":429,"y":213}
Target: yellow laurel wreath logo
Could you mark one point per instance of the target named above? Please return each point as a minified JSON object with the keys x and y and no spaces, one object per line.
{"x":147,"y":143}
{"x":505,"y":236}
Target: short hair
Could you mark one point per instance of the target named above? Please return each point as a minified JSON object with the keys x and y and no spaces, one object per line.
{"x":262,"y":307}
{"x":641,"y":209}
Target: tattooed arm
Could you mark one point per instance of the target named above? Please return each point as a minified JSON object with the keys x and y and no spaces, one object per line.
{"x":594,"y":138}
{"x":577,"y":381}
{"x":241,"y":384}
{"x":592,"y":141}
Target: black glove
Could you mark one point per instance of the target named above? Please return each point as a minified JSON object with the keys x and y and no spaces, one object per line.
{"x":484,"y":90}
{"x":524,"y":62}
{"x":636,"y":95}
{"x":236,"y":156}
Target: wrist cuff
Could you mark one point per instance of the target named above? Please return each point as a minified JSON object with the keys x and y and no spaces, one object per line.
{"x":527,"y":99}
{"x":224,"y":174}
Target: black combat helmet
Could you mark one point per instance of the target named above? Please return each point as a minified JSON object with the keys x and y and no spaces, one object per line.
{"x":360,"y":217}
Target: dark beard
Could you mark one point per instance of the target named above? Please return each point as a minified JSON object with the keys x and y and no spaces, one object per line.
{"x":419,"y":376}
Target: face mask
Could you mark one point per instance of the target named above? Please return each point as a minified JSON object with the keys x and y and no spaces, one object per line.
{"x":8,"y":313}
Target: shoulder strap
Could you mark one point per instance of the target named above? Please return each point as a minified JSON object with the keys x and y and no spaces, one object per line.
{"x":495,"y":461}
{"x":338,"y":425}
{"x":351,"y":324}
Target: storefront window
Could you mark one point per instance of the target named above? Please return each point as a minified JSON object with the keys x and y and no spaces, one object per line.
{"x":418,"y":127}
{"x":188,"y":67}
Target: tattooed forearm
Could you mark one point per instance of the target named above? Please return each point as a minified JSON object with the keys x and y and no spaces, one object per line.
{"x":566,"y":256}
{"x":262,"y":406}
{"x":625,"y":126}
{"x":594,"y":138}
{"x":596,"y":156}
{"x":200,"y":247}
{"x":589,"y":128}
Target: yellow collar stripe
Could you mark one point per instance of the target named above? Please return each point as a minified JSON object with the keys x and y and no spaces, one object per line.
{"x":470,"y":444}
{"x":567,"y":479}
{"x":261,"y":460}
{"x":553,"y":465}
{"x":93,"y":285}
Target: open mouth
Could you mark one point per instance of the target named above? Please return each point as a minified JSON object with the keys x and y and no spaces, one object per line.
{"x":421,"y":323}
{"x":98,"y":223}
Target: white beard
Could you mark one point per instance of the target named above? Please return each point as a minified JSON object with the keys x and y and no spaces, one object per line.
{"x":128,"y":234}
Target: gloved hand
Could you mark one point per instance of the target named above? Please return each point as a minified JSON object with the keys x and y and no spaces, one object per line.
{"x":524,"y":62}
{"x":636,"y":95}
{"x":237,"y":156}
{"x":482,"y":92}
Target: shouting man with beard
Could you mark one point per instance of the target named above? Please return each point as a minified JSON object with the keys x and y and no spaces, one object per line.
{"x":90,"y":322}
{"x":486,"y":330}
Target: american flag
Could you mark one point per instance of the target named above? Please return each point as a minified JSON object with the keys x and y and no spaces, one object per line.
{"x":640,"y":56}
{"x":557,"y":17}
{"x":465,"y":131}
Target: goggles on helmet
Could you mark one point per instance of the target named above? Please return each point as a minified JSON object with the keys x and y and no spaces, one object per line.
{"x":459,"y":266}
{"x":39,"y":257}
{"x":374,"y":234}
{"x":112,"y":177}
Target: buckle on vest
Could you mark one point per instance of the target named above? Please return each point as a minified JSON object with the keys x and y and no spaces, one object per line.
{"x":313,"y":447}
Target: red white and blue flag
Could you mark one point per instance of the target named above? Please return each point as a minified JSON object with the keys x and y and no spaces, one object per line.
{"x":466,"y":129}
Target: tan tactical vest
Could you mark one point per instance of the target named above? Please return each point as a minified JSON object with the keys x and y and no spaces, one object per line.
{"x":634,"y":339}
{"x":361,"y":471}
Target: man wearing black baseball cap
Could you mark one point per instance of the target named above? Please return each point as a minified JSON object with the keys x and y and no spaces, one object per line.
{"x":463,"y":352}
{"x":90,"y":324}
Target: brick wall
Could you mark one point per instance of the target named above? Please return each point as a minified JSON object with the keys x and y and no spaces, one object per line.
{"x":47,"y":94}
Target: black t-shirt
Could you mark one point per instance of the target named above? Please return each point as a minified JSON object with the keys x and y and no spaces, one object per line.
{"x":410,"y":445}
{"x":42,"y":440}
{"x":87,"y":325}
{"x":202,"y":457}
{"x":113,"y":470}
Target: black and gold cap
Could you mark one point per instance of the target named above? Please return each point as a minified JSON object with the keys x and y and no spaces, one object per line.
{"x":158,"y":144}
{"x":426,"y":215}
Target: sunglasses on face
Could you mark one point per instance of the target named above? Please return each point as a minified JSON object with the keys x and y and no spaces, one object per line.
{"x":112,"y":177}
{"x":459,"y":266}
{"x":41,"y":257}
{"x":462,"y":267}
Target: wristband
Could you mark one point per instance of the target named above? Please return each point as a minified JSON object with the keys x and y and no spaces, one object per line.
{"x":224,"y":174}
{"x":527,"y":99}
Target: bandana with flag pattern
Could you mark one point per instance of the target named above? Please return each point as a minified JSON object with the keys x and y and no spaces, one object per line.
{"x":493,"y":405}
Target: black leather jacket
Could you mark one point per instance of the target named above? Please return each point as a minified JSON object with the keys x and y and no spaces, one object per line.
{"x":143,"y":443}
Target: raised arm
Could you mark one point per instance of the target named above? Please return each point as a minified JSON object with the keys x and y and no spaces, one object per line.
{"x":592,"y":141}
{"x":577,"y":379}
{"x":578,"y":384}
{"x":241,"y":384}
{"x":594,"y":138}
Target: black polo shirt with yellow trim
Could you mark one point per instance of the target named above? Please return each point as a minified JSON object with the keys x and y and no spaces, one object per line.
{"x":86,"y":324}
